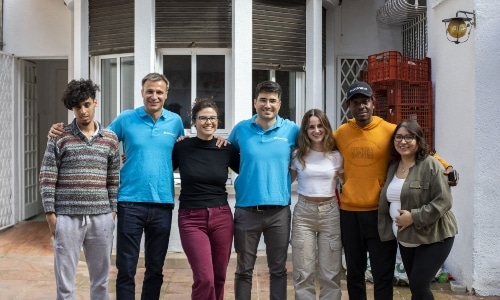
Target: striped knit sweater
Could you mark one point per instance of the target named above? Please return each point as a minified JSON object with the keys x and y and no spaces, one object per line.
{"x":79,"y":176}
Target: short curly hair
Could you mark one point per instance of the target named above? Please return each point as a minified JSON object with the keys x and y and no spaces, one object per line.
{"x":202,"y":103}
{"x":78,"y":91}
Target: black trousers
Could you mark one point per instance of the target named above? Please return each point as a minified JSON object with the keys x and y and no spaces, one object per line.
{"x":359,"y":236}
{"x":422,"y":263}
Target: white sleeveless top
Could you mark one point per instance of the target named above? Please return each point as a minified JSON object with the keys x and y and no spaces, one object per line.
{"x":319,"y":177}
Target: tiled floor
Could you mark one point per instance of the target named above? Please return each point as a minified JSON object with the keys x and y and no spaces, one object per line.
{"x":26,"y":272}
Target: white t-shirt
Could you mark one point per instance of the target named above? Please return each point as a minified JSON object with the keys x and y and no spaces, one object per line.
{"x":394,"y":199}
{"x":319,"y":177}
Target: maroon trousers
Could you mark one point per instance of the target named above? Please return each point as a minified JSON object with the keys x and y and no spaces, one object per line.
{"x":206,"y":236}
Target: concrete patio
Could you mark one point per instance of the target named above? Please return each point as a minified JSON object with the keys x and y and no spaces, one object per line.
{"x":26,"y":272}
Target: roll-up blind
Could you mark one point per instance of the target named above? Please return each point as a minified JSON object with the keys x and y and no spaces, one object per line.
{"x":279,"y":35}
{"x":111,"y":26}
{"x":193,"y":23}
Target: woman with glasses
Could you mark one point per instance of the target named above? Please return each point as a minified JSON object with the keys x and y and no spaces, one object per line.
{"x":414,"y":207}
{"x":317,"y":166}
{"x":205,"y":219}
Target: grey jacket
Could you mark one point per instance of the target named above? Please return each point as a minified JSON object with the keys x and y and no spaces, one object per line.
{"x":427,"y":195}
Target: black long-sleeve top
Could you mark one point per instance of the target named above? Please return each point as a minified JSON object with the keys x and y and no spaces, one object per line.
{"x":203,"y":168}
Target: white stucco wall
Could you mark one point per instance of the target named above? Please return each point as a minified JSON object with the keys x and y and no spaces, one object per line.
{"x":357,"y":32}
{"x":353,"y":33}
{"x":37,"y":28}
{"x":466,"y":87}
{"x":144,"y":43}
{"x":241,"y":64}
{"x":486,"y":278}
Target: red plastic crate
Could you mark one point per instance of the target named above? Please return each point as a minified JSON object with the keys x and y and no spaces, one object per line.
{"x":429,"y":137}
{"x":406,"y":92}
{"x":363,"y":76}
{"x":381,"y":103}
{"x":423,"y":114}
{"x":392,"y":65}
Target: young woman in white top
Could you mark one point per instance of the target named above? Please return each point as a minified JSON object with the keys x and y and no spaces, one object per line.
{"x":317,"y":165}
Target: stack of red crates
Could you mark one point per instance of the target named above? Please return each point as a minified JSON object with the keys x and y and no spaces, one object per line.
{"x":403,"y":89}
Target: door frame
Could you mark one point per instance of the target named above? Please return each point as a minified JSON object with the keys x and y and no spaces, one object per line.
{"x":30,"y":199}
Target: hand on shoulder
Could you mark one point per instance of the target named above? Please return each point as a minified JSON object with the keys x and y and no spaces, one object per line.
{"x":55,"y":130}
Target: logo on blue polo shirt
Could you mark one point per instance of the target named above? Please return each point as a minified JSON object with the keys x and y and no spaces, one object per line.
{"x":170,"y":133}
{"x":284,"y":139}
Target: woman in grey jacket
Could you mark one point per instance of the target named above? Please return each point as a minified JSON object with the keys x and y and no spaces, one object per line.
{"x":414,"y":207}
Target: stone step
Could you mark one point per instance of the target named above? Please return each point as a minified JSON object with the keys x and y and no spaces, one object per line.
{"x":178,"y":260}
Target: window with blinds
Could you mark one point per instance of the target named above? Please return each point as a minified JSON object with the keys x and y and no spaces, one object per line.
{"x":279,"y":35}
{"x":111,"y":25}
{"x":193,"y":23}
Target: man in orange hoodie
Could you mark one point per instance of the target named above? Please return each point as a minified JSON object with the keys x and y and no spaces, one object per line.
{"x":364,"y":142}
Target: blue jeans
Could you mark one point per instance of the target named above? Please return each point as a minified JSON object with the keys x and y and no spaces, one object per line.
{"x":154,"y":220}
{"x":206,"y":236}
{"x":249,"y":225}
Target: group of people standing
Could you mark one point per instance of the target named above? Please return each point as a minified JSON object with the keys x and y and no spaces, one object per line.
{"x":269,"y":153}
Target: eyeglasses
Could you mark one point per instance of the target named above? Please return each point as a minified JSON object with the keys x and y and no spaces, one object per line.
{"x":408,"y":138}
{"x":264,"y":101}
{"x":207,"y":119}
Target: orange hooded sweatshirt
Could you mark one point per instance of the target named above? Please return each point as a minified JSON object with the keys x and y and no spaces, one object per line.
{"x":367,"y":153}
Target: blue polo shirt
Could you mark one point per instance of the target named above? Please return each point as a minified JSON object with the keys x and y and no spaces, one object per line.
{"x":264,"y":177}
{"x":147,"y":175}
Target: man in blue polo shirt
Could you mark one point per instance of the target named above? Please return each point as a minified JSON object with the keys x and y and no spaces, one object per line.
{"x":146,"y":193}
{"x":263,"y":190}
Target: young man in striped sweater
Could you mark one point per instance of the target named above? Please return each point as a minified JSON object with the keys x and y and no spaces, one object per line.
{"x":79,"y":180}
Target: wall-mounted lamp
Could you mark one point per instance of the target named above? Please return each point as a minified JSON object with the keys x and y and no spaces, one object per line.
{"x":458,"y":27}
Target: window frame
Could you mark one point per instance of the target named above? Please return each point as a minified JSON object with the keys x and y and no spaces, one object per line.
{"x":95,"y":75}
{"x":193,"y":52}
{"x":299,"y":90}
